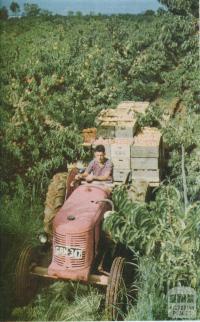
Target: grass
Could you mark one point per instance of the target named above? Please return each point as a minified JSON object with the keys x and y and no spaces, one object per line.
{"x":151,"y":303}
{"x":69,"y":302}
{"x":21,"y":219}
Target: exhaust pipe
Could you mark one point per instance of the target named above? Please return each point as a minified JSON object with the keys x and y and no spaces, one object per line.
{"x":109,"y":212}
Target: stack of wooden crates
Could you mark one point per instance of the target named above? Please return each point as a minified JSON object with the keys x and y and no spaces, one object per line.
{"x":146,"y":156}
{"x":132,"y":151}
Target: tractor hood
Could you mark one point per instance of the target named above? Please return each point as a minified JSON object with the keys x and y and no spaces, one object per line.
{"x":81,"y":210}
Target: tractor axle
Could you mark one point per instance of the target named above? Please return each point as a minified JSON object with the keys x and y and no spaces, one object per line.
{"x":93,"y":278}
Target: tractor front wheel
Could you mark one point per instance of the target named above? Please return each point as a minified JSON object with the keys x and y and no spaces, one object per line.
{"x":26,"y":284}
{"x":116,"y":290}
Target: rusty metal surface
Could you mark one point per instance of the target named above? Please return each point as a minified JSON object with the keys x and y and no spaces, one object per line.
{"x":93,"y":278}
{"x":116,"y":290}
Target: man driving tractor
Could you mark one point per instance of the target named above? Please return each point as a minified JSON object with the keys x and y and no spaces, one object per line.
{"x":100,"y":168}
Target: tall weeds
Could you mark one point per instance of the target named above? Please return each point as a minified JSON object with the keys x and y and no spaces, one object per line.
{"x":166,"y":239}
{"x":21,"y":219}
{"x":68,"y":302}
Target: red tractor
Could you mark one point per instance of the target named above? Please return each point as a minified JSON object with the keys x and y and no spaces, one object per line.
{"x":79,"y":250}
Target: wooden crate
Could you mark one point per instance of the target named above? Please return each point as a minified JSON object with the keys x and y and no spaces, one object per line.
{"x":148,"y":175}
{"x":145,"y":163}
{"x":125,"y":113}
{"x":108,"y":151}
{"x":144,"y":152}
{"x":120,"y":150}
{"x":124,"y":131}
{"x":121,"y":163}
{"x":106,"y":132}
{"x":116,"y":115}
{"x":146,"y":143}
{"x":140,"y":107}
{"x":120,"y":175}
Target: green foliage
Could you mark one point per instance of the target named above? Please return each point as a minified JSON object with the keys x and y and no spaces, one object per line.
{"x":69,"y":302}
{"x":45,"y":13}
{"x":3,"y":13}
{"x":59,"y":72}
{"x":185,"y":131}
{"x":152,"y":300}
{"x":149,"y":13}
{"x":39,"y":144}
{"x":14,"y":7}
{"x":21,"y":220}
{"x":162,"y":230}
{"x":165,"y":237}
{"x":31,"y":9}
{"x":153,"y":117}
{"x":182,"y":7}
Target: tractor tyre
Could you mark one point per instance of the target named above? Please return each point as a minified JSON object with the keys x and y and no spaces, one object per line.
{"x":116,"y":291}
{"x":71,"y":184}
{"x":54,"y":198}
{"x":60,"y":188}
{"x":26,"y":284}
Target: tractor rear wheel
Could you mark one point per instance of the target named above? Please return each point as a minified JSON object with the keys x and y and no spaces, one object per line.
{"x":25,"y":283}
{"x":60,"y":188}
{"x":71,"y":184}
{"x":55,"y":198}
{"x":116,"y":290}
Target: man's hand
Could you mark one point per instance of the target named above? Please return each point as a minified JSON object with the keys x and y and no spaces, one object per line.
{"x":78,"y":177}
{"x":89,"y":178}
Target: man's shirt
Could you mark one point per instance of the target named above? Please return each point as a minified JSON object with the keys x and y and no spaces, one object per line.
{"x":98,"y":170}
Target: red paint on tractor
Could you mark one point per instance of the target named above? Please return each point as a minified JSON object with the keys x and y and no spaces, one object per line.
{"x":76,"y":231}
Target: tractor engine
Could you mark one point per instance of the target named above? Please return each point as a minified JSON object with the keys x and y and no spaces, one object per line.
{"x":76,"y":232}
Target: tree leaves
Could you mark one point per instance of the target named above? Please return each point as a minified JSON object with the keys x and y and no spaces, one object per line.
{"x":182,"y":7}
{"x":161,"y":230}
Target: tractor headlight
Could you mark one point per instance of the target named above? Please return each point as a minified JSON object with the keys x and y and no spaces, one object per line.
{"x":43,"y":238}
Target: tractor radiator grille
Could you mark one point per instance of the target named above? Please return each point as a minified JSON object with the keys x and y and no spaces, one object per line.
{"x":78,"y":241}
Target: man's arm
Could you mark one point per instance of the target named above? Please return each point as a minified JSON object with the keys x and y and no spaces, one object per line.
{"x":105,"y":177}
{"x":81,"y":175}
{"x":86,"y":173}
